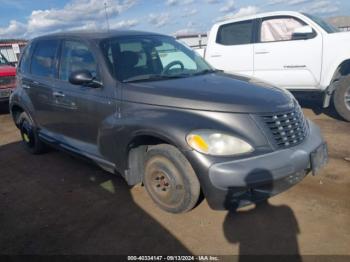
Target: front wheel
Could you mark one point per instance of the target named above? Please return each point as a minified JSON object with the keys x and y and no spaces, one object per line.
{"x":30,"y":138}
{"x":170,"y":179}
{"x":341,"y":98}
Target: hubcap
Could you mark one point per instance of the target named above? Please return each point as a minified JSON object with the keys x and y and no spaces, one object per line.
{"x":347,"y":98}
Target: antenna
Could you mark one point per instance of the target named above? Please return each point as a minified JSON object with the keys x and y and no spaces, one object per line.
{"x":107,"y":19}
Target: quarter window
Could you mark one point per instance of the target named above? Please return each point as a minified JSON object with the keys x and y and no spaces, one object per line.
{"x":236,"y":33}
{"x":76,"y":56}
{"x":43,"y":60}
{"x":279,"y":29}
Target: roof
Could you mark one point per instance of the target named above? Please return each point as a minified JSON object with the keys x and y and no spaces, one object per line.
{"x":260,"y":15}
{"x":98,"y":34}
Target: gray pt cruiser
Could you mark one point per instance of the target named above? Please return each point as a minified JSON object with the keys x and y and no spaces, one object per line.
{"x":148,"y":108}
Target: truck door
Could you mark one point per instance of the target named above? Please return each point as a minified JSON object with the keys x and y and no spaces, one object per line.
{"x":231,"y":49}
{"x":283,"y":60}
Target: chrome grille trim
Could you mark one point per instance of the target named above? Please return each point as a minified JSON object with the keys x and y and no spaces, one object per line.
{"x":287,"y":129}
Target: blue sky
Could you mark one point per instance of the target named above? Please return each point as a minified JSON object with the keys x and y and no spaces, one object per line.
{"x":29,"y":18}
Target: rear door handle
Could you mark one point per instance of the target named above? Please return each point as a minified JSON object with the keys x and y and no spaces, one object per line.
{"x":58,"y":94}
{"x":263,"y":52}
{"x":215,"y":56}
{"x":26,"y":86}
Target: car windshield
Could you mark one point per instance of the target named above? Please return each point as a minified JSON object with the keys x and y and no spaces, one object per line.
{"x":151,"y":58}
{"x":322,"y":23}
{"x":3,"y":60}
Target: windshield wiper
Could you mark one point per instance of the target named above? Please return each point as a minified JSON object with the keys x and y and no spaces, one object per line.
{"x":142,"y":78}
{"x":206,"y":71}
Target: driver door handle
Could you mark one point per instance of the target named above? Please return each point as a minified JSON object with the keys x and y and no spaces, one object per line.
{"x":58,"y":94}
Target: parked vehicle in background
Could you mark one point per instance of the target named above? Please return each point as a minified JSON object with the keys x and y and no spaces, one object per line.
{"x":149,"y":108}
{"x":7,"y":79}
{"x":292,"y":50}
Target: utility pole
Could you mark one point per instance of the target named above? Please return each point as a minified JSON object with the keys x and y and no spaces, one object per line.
{"x":107,"y":19}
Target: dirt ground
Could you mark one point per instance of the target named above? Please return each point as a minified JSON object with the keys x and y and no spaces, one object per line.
{"x":58,"y":204}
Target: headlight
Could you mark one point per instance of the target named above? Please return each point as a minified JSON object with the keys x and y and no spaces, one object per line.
{"x":217,"y":144}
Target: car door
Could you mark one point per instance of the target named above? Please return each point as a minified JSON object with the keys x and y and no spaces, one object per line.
{"x":36,"y":75}
{"x":81,"y":110}
{"x":232,"y":50}
{"x":283,"y":61}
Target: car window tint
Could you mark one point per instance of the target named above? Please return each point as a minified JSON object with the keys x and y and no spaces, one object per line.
{"x":43,"y":60}
{"x":236,"y":33}
{"x":76,"y":56}
{"x":279,"y":29}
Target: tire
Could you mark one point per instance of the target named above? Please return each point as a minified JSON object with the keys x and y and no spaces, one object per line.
{"x":30,"y":138}
{"x":341,"y":98}
{"x":170,"y":179}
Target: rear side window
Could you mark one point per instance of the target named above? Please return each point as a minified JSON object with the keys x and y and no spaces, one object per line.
{"x":239,"y":33}
{"x":24,"y":65}
{"x":76,"y":56}
{"x":43,"y":60}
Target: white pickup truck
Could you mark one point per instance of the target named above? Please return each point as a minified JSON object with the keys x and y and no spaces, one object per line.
{"x":291,"y":50}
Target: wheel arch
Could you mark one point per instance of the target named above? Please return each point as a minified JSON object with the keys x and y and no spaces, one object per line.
{"x":15,"y":111}
{"x":341,"y":70}
{"x":136,"y":151}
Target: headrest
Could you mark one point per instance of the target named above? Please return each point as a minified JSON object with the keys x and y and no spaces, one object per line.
{"x":129,"y":58}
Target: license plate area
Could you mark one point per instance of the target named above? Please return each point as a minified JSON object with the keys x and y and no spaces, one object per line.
{"x":319,"y":158}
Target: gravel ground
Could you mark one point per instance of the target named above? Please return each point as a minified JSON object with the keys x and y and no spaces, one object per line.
{"x":58,"y":204}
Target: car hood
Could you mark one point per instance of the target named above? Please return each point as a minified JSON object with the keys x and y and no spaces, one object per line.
{"x":211,"y":92}
{"x":6,"y":70}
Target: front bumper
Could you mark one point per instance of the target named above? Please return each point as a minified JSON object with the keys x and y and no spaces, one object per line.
{"x":241,"y":182}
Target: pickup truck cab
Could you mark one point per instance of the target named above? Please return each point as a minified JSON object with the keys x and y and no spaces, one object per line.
{"x":7,"y":79}
{"x":291,"y":50}
{"x":146,"y":107}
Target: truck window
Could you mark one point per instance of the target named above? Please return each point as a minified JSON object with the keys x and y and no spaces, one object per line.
{"x":279,"y":29}
{"x":239,"y":33}
{"x":76,"y":56}
{"x":43,"y":60}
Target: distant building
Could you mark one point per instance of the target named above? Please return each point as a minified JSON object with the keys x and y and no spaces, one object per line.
{"x":342,"y":22}
{"x":12,"y":48}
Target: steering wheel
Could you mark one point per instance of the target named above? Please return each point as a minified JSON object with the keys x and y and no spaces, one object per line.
{"x":172,"y":64}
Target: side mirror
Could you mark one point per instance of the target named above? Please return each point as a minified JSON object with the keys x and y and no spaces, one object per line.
{"x":303,"y":33}
{"x":84,"y":78}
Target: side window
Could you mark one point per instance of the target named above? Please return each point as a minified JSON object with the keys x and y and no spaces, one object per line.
{"x":76,"y":56}
{"x":43,"y":60}
{"x":24,"y":65}
{"x":239,"y":33}
{"x":279,"y":29}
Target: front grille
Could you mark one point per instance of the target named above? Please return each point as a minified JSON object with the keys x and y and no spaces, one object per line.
{"x":7,"y":81}
{"x":287,"y":129}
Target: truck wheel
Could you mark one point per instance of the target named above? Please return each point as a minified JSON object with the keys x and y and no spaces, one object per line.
{"x":30,"y":138}
{"x":170,"y":179}
{"x":341,"y":98}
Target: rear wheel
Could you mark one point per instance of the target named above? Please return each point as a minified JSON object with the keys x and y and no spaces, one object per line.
{"x":341,"y":98}
{"x":170,"y":179}
{"x":30,"y":138}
